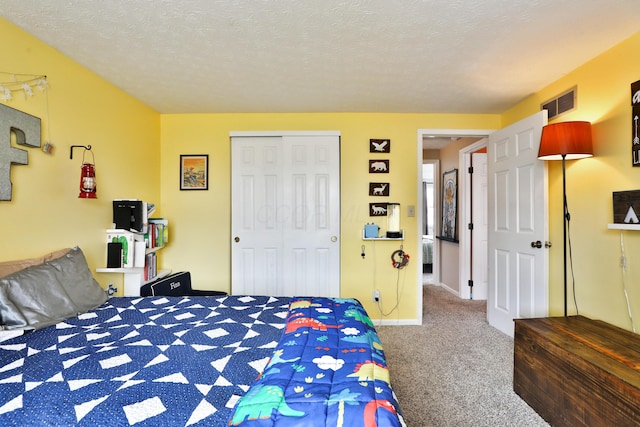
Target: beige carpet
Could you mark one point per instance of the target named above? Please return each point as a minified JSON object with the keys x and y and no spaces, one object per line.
{"x":455,"y":369}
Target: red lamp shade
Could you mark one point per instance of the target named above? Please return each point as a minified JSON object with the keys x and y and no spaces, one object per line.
{"x":571,"y":140}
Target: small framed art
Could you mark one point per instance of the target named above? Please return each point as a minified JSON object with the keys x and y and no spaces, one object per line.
{"x":377,"y":209}
{"x":379,"y":189}
{"x":449,"y":205}
{"x":378,"y":166}
{"x":194,"y":172}
{"x":379,"y":145}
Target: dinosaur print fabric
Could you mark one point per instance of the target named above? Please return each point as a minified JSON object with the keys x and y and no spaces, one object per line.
{"x":328,"y":369}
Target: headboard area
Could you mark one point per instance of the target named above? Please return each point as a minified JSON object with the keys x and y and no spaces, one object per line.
{"x":9,"y":267}
{"x":38,"y":292}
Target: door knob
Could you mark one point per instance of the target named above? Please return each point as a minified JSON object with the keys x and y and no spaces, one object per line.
{"x":536,"y":244}
{"x":236,"y":239}
{"x":547,"y":244}
{"x":334,"y":239}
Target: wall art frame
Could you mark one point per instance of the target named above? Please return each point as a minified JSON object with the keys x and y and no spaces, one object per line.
{"x":635,"y":114}
{"x":377,"y":209}
{"x":379,"y":189}
{"x":449,"y":229}
{"x":379,"y":145}
{"x":194,"y":172}
{"x":379,"y":166}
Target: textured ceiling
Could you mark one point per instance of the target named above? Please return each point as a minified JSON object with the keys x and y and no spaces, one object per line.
{"x":433,"y":56}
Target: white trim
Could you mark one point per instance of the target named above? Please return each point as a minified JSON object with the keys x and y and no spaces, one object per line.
{"x":419,"y":228}
{"x":464,"y":239}
{"x":396,"y":322}
{"x":480,"y":133}
{"x":285,"y":133}
{"x":448,"y":289}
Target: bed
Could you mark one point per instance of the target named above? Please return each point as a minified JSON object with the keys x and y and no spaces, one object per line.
{"x":191,"y":360}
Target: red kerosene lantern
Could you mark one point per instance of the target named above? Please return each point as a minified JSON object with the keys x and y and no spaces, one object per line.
{"x":88,"y":178}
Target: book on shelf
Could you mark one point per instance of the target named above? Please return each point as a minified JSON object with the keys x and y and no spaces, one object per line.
{"x":150,"y":267}
{"x":139,"y":253}
{"x":158,"y":233}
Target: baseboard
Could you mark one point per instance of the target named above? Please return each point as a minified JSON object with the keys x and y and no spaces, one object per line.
{"x":450,"y":290}
{"x":396,"y":322}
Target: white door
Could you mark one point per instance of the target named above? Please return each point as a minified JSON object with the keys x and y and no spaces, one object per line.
{"x":518,"y":278}
{"x":285,"y":219}
{"x":480,"y":222}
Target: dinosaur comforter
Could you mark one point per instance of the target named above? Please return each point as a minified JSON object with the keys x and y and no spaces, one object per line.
{"x":328,"y":369}
{"x":200,"y":361}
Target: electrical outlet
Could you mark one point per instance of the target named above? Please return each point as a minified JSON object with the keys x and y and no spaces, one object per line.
{"x":111,"y":290}
{"x":411,"y":211}
{"x":376,"y":296}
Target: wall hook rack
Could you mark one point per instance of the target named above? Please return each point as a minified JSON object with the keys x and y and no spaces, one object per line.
{"x":86,"y":147}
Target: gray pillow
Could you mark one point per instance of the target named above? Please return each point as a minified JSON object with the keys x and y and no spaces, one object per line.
{"x":48,"y":293}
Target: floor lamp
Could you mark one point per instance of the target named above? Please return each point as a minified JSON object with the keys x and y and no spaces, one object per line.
{"x":565,"y":141}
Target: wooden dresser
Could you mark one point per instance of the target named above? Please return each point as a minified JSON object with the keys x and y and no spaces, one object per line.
{"x":575,"y":371}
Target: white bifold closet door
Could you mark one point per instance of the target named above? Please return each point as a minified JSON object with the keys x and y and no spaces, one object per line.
{"x":285,"y":213}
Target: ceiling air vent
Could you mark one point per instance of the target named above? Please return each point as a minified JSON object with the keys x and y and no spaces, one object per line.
{"x":561,"y":103}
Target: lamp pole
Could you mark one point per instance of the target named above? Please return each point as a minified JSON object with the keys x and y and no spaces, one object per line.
{"x":565,"y":219}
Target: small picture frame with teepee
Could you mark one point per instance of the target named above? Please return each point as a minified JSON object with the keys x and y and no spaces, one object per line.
{"x":626,"y":207}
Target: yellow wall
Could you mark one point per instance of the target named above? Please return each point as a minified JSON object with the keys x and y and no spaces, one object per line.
{"x":604,"y":99}
{"x":45,"y":212}
{"x":137,"y":155}
{"x":200,"y":220}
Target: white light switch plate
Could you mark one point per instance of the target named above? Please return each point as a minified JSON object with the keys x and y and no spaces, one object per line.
{"x":411,"y":211}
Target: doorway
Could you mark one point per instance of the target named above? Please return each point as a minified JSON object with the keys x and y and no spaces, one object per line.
{"x":430,"y":170}
{"x":517,"y":212}
{"x":444,"y":137}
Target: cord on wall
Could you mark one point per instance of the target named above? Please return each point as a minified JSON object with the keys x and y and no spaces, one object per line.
{"x":399,"y":291}
{"x":623,"y":266}
{"x":376,"y":296}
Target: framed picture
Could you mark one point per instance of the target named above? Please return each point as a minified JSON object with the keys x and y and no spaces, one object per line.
{"x":379,"y":189}
{"x":449,"y":205}
{"x":194,"y":172}
{"x":379,"y":145}
{"x":378,"y":166}
{"x":377,"y":209}
{"x":635,"y":113}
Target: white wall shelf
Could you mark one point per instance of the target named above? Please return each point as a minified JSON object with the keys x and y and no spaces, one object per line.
{"x":624,"y":227}
{"x":134,"y":276}
{"x":384,"y":238}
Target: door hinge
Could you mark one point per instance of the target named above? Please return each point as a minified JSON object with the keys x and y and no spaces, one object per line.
{"x":470,"y":283}
{"x":470,"y":169}
{"x":470,"y":226}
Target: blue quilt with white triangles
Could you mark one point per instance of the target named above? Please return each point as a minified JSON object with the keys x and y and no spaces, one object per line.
{"x":153,"y":361}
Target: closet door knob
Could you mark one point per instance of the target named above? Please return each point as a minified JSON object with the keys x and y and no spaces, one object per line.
{"x":236,"y":239}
